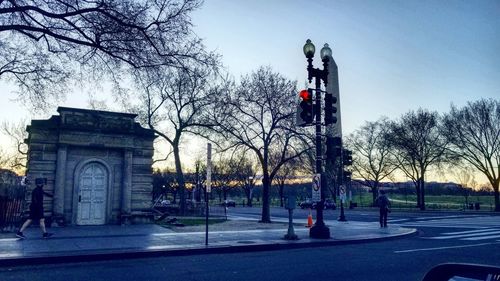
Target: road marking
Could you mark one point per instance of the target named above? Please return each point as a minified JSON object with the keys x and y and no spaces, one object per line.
{"x":397,"y":220}
{"x":439,"y":225}
{"x":449,"y":217}
{"x":443,"y":248}
{"x":485,"y":232}
{"x":477,"y":222}
{"x":481,"y":238}
{"x":9,"y":239}
{"x":470,"y":231}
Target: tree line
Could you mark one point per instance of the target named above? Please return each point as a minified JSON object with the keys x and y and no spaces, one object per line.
{"x":460,"y":142}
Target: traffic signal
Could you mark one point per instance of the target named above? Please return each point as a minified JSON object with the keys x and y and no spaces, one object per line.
{"x":305,"y":109}
{"x":347,"y":157}
{"x":347,"y":176}
{"x":333,"y":147}
{"x":330,"y":110}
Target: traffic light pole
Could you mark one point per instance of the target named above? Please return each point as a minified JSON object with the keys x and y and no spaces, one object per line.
{"x":341,"y":181}
{"x":319,"y":229}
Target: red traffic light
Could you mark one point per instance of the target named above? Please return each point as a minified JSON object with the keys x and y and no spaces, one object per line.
{"x":304,"y":94}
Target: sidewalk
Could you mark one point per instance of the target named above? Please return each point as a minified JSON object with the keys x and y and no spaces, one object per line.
{"x":91,"y":243}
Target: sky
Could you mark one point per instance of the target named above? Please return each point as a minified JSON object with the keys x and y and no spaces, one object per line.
{"x":393,"y":56}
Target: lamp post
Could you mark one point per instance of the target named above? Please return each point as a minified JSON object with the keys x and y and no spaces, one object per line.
{"x":319,"y":229}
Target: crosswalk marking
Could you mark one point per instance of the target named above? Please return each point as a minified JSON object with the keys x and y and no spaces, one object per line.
{"x":481,"y":238}
{"x":438,"y":225}
{"x":470,"y":235}
{"x":463,"y":235}
{"x":468,"y":231}
{"x":476,"y":222}
{"x":396,"y":220}
{"x":446,"y":217}
{"x":443,"y":248}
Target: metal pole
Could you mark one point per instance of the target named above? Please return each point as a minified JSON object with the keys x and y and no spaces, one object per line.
{"x":319,"y":158}
{"x":319,"y":230}
{"x":341,"y":181}
{"x":208,"y":188}
{"x":206,"y":218}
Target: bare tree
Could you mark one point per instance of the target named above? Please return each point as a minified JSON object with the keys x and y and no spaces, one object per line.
{"x":18,"y":156}
{"x":173,"y":105}
{"x":164,"y":182}
{"x":224,"y":175}
{"x":474,"y":134}
{"x":282,"y":176}
{"x":259,"y":115}
{"x":4,"y":159}
{"x":245,"y":174}
{"x":417,"y":145}
{"x":43,"y":43}
{"x":372,"y":154}
{"x":464,"y":176}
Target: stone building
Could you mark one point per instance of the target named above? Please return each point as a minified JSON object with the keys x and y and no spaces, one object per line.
{"x":97,"y":164}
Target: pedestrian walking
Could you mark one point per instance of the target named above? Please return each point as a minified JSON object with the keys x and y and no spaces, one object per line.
{"x":36,"y":210}
{"x":384,"y":205}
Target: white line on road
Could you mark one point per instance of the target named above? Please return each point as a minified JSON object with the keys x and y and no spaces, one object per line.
{"x":481,"y":238}
{"x":470,"y":231}
{"x":449,"y":217}
{"x":443,"y":248}
{"x":486,"y":232}
{"x":440,"y":225}
{"x":397,"y":220}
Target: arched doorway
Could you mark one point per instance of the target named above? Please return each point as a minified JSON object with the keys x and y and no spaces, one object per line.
{"x":92,"y":195}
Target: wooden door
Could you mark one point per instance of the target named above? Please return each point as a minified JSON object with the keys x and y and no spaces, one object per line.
{"x":92,"y":195}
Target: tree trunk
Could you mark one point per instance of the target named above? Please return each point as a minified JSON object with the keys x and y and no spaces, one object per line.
{"x":266,"y":212}
{"x":417,"y":187}
{"x":249,"y":195}
{"x":180,"y":180}
{"x":281,"y":189}
{"x":249,"y":198}
{"x":422,"y":189}
{"x":497,"y":197}
{"x":374,"y":193}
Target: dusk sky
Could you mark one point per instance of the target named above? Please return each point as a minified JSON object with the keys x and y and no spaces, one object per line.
{"x":393,"y":56}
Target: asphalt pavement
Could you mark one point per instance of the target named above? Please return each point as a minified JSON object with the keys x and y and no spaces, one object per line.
{"x":93,"y":243}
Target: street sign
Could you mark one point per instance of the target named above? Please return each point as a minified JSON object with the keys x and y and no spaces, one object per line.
{"x":316,"y":188}
{"x":342,"y":193}
{"x":209,"y":167}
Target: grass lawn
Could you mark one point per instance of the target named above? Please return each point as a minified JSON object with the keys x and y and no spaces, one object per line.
{"x":452,"y":202}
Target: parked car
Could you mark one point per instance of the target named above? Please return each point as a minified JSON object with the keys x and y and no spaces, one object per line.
{"x":308,"y":204}
{"x":228,"y":203}
{"x":329,"y":204}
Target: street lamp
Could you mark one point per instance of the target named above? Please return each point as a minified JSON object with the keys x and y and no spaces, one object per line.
{"x":319,"y":229}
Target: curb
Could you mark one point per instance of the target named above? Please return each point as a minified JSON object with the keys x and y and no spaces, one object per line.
{"x":96,"y":255}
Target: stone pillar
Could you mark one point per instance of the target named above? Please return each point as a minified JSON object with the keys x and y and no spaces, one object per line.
{"x":58,"y":203}
{"x":127,"y":183}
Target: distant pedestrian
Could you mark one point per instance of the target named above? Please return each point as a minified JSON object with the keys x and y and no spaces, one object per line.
{"x":385,"y":207}
{"x":36,"y":210}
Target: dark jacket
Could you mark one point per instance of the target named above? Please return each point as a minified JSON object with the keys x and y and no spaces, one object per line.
{"x":383,"y":202}
{"x":37,"y":198}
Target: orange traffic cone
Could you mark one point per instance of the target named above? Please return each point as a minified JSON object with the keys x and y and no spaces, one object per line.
{"x":309,"y":220}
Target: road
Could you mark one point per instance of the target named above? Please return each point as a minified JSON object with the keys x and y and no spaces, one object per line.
{"x":450,"y":237}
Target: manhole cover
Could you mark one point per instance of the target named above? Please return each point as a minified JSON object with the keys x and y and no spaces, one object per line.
{"x":246,"y":242}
